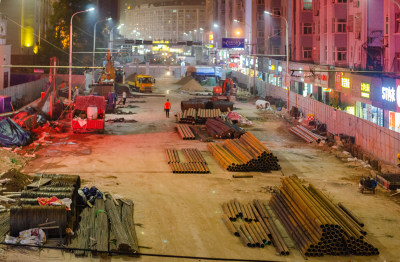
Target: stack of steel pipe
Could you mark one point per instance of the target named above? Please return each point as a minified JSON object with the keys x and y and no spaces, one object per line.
{"x":204,"y":114}
{"x":185,"y":132}
{"x":317,"y":225}
{"x":252,"y":224}
{"x":219,"y":128}
{"x":188,"y":116}
{"x":306,"y":134}
{"x":195,"y":164}
{"x":244,"y":155}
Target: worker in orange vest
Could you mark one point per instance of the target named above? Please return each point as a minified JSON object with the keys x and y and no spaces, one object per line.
{"x":167,"y":107}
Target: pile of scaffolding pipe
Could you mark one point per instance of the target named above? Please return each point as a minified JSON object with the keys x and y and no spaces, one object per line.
{"x":253,"y":225}
{"x":196,"y":164}
{"x":245,"y":154}
{"x":188,"y":116}
{"x":185,"y":132}
{"x":218,"y":128}
{"x":306,"y":134}
{"x":204,"y":114}
{"x":317,"y":226}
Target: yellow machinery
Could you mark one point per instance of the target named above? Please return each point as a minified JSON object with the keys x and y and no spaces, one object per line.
{"x":142,"y":83}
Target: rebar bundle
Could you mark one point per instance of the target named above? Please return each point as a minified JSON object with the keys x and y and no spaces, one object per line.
{"x":185,"y":132}
{"x":244,"y":155}
{"x":219,"y":128}
{"x":253,"y":225}
{"x":195,"y":162}
{"x":317,"y":225}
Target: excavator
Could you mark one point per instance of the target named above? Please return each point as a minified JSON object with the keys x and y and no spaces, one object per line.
{"x":225,"y":90}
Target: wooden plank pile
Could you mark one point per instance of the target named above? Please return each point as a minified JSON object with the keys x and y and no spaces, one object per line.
{"x":218,"y":128}
{"x":316,"y":224}
{"x":196,"y":164}
{"x":245,"y":154}
{"x":253,"y":225}
{"x":106,"y":227}
{"x":185,"y":132}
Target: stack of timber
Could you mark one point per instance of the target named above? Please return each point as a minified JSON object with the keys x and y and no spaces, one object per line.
{"x":253,"y":225}
{"x":306,"y":134}
{"x":106,"y":227}
{"x":204,"y":114}
{"x":195,"y":162}
{"x":219,"y":128}
{"x":316,"y":224}
{"x":185,"y":132}
{"x":188,"y":116}
{"x":245,"y":154}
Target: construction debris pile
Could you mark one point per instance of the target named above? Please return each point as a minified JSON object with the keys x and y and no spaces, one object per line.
{"x":316,"y":224}
{"x":54,"y":207}
{"x":244,"y":154}
{"x":196,"y":164}
{"x":219,"y":128}
{"x":185,"y":132}
{"x":192,"y":116}
{"x":306,"y":134}
{"x":253,"y":225}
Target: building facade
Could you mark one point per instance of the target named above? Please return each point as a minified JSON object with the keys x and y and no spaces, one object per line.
{"x":170,"y":21}
{"x":5,"y":54}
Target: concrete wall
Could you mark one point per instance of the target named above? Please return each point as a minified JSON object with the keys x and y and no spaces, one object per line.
{"x":381,"y":142}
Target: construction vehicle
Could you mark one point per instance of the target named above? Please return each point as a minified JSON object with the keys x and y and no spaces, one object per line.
{"x":201,"y":73}
{"x":142,"y":83}
{"x":225,"y":90}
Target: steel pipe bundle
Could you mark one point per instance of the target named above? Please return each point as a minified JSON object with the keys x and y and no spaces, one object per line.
{"x":188,"y":116}
{"x":195,"y":164}
{"x":185,"y":132}
{"x":306,"y":134}
{"x":317,"y":225}
{"x":244,"y":155}
{"x":204,"y":114}
{"x":252,"y":224}
{"x":219,"y":128}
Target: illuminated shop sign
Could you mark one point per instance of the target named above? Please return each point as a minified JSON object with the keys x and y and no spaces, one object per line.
{"x":388,"y":94}
{"x":345,"y":82}
{"x":365,"y":90}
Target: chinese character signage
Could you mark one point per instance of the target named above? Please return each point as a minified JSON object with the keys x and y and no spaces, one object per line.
{"x":345,"y":82}
{"x":385,"y":96}
{"x":365,"y":90}
{"x":232,"y":42}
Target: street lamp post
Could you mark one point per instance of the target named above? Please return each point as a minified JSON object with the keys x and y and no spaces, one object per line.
{"x":287,"y":54}
{"x":111,"y":44}
{"x":70,"y":52}
{"x":94,"y":44}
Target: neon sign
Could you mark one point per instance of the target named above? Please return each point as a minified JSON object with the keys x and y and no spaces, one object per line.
{"x":345,"y":82}
{"x":388,"y":94}
{"x":365,"y":90}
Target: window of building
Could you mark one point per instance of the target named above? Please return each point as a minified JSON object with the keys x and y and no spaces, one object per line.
{"x":342,"y":1}
{"x":276,"y":50}
{"x":397,"y":23}
{"x":387,"y":25}
{"x":307,"y":5}
{"x":260,"y":34}
{"x":397,"y":62}
{"x":260,"y":17}
{"x":341,"y":26}
{"x":341,"y":54}
{"x":307,"y":28}
{"x":307,"y":52}
{"x":325,"y":26}
{"x":260,"y":2}
{"x":276,"y":11}
{"x":276,"y":31}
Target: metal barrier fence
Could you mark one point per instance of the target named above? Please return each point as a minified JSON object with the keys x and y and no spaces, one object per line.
{"x":381,"y":142}
{"x":30,"y":91}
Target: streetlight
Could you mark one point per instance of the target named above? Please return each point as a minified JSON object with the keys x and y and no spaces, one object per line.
{"x":112,"y":36}
{"x":70,"y":52}
{"x":287,"y":54}
{"x":94,"y":44}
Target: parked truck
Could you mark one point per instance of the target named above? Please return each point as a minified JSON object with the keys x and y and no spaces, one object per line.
{"x":201,"y":73}
{"x":142,"y":83}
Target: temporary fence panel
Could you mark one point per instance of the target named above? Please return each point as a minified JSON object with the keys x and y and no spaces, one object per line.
{"x":30,"y":90}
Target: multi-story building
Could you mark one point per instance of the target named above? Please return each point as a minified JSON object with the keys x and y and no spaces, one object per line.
{"x":170,"y":20}
{"x":28,"y":22}
{"x":5,"y":54}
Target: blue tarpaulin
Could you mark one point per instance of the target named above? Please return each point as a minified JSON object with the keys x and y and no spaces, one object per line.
{"x":11,"y":134}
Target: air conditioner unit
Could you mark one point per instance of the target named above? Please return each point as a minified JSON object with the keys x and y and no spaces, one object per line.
{"x":356,"y":3}
{"x":358,"y":35}
{"x":318,"y":37}
{"x":385,"y":41}
{"x":333,"y":1}
{"x":316,"y":12}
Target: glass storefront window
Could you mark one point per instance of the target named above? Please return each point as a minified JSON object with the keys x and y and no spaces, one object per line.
{"x":394,"y":121}
{"x":307,"y":89}
{"x":370,"y":113}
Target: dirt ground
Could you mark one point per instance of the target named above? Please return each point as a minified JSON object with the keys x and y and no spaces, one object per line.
{"x":180,"y":214}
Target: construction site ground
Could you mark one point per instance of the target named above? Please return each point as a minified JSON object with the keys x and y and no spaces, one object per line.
{"x":180,"y":214}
